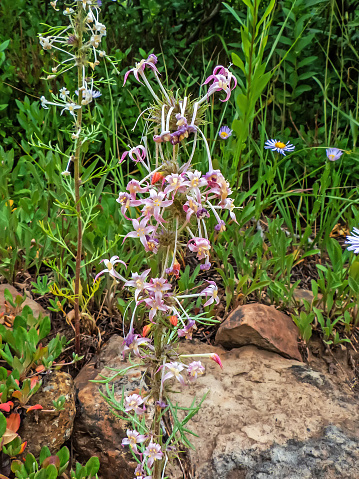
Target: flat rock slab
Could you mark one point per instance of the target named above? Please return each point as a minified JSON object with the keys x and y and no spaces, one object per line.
{"x":262,"y":326}
{"x":36,"y":307}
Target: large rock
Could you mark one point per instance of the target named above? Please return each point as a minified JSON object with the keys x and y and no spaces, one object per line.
{"x":46,"y":428}
{"x":262,"y":326}
{"x":264,"y":417}
{"x":36,"y":307}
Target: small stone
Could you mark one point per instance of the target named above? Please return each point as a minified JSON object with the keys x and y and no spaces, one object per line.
{"x":262,"y":326}
{"x":35,"y":307}
{"x":45,"y":428}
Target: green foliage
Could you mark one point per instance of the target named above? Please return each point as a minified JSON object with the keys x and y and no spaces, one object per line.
{"x":335,"y":297}
{"x":22,"y":349}
{"x":53,"y":466}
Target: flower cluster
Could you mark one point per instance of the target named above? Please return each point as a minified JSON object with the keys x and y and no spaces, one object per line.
{"x":186,"y":198}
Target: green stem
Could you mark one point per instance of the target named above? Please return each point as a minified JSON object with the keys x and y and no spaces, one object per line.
{"x":78,"y":184}
{"x":156,"y":388}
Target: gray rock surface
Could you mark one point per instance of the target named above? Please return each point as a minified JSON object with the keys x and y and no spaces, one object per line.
{"x":334,"y":454}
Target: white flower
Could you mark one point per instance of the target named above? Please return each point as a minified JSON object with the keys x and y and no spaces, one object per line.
{"x":44,"y":103}
{"x":86,"y":3}
{"x":353,"y":241}
{"x":102,"y":53}
{"x":100,"y":27}
{"x":95,"y":40}
{"x":90,"y":17}
{"x":53,"y":4}
{"x":71,"y":107}
{"x":45,"y":43}
{"x":68,"y":11}
{"x":64,"y":92}
{"x":76,"y":136}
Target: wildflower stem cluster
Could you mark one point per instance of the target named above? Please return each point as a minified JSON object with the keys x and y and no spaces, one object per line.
{"x":77,"y":46}
{"x":168,"y":210}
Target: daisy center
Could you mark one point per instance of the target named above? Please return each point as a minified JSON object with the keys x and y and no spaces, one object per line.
{"x":224,"y":134}
{"x":280,"y":145}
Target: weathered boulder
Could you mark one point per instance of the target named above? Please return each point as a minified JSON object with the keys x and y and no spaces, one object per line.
{"x":46,"y":428}
{"x":262,"y":326}
{"x":265,"y":416}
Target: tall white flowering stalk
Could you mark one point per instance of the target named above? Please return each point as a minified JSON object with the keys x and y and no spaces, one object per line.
{"x":75,"y":46}
{"x":168,"y":210}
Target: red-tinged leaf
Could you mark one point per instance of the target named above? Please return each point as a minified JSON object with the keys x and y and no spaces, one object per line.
{"x":13,"y":421}
{"x":40,"y":368}
{"x":17,"y":395}
{"x":55,"y":460}
{"x":22,"y":448}
{"x":34,"y":408}
{"x":6,"y":406}
{"x":34,"y":381}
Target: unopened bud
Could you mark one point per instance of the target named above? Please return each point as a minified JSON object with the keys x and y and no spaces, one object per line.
{"x":146,"y":330}
{"x":156,"y":177}
{"x":174,"y":320}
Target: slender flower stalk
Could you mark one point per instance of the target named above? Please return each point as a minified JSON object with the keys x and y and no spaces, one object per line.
{"x":83,"y":35}
{"x":167,"y":211}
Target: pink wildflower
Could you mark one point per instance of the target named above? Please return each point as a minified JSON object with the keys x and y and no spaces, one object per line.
{"x":195,"y":369}
{"x":174,"y":370}
{"x":153,"y":452}
{"x":137,"y":154}
{"x":139,"y":67}
{"x":187,"y":330}
{"x":134,"y":187}
{"x":217,"y":359}
{"x":141,"y":230}
{"x":211,"y":291}
{"x":138,"y":281}
{"x":159,"y":286}
{"x":133,"y":438}
{"x":133,"y":403}
{"x":201,"y":246}
{"x":155,"y":307}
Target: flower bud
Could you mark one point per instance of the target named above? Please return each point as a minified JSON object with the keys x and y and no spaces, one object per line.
{"x":156,"y":177}
{"x":173,"y":320}
{"x":217,"y":359}
{"x":146,"y":330}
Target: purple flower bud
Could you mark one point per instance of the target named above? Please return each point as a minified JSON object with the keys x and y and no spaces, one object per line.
{"x":202,"y":213}
{"x":72,"y":40}
{"x":221,"y":226}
